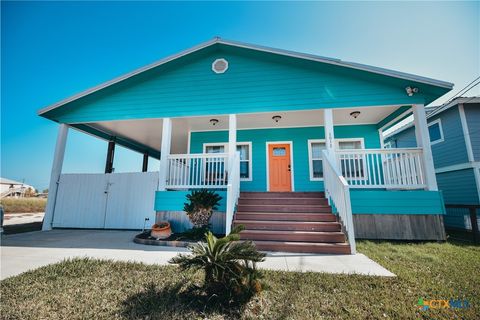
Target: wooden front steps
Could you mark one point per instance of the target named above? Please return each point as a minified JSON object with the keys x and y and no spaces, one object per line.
{"x":290,"y":222}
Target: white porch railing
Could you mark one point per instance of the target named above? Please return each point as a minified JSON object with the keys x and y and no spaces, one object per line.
{"x":233,"y":191}
{"x":337,"y":191}
{"x":382,"y":168}
{"x":207,"y":170}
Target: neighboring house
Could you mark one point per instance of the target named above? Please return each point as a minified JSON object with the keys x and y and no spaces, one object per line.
{"x":270,"y":130}
{"x":12,"y":188}
{"x":455,"y":138}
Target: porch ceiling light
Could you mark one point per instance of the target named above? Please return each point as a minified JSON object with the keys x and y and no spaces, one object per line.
{"x":411,"y":91}
{"x":355,"y":114}
{"x":276,"y":118}
{"x":213,"y":121}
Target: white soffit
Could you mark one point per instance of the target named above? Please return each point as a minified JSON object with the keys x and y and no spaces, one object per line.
{"x":148,"y":132}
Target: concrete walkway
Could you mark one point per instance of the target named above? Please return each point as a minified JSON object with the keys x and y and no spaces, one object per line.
{"x":22,"y":218}
{"x":27,"y":251}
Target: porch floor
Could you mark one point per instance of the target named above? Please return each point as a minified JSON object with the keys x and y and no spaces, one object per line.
{"x":27,"y":251}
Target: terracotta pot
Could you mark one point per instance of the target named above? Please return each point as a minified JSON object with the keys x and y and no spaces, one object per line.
{"x":161,"y":230}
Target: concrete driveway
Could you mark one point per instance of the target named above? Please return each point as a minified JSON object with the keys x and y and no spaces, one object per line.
{"x":27,"y":251}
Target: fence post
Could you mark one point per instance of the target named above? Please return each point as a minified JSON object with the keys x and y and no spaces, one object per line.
{"x":473,"y":220}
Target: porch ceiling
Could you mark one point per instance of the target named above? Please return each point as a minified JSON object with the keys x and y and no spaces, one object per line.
{"x":146,"y":134}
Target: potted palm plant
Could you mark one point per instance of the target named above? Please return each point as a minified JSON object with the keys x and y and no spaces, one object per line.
{"x":200,"y":206}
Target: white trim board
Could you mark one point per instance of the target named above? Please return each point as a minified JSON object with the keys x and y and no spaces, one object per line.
{"x":457,"y":167}
{"x":292,"y":176}
{"x":466,"y":132}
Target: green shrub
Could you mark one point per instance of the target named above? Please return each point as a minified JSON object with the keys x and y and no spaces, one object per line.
{"x":229,"y":265}
{"x":200,"y":206}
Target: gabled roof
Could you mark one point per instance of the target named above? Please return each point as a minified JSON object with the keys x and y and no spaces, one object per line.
{"x":217,"y":40}
{"x":454,"y":102}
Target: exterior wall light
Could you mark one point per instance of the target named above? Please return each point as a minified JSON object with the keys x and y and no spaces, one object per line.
{"x":276,"y":118}
{"x":355,"y":114}
{"x":411,"y":91}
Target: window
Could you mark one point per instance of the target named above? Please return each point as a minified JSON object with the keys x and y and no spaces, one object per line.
{"x":315,"y":149}
{"x":435,"y":131}
{"x":245,"y":149}
{"x":352,"y":167}
{"x":279,"y":152}
{"x":390,"y":144}
{"x":245,"y":162}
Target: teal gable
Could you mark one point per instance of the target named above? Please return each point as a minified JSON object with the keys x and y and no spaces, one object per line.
{"x":255,"y":81}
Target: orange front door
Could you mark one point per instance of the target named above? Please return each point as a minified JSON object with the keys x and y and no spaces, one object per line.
{"x":279,"y":171}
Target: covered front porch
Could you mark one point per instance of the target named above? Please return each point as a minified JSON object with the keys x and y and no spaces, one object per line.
{"x":338,"y":151}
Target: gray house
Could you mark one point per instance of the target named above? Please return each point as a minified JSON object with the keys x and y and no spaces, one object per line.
{"x":455,"y":139}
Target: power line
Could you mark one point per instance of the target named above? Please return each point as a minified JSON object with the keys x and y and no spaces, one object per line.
{"x":460,"y":92}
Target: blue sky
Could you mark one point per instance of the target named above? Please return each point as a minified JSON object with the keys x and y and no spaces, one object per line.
{"x":51,"y":50}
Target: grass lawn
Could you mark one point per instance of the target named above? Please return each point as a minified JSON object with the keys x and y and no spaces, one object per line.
{"x":21,"y":205}
{"x":108,"y":290}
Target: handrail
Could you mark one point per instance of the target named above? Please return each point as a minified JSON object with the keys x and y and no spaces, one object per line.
{"x":337,"y":192}
{"x":233,"y":191}
{"x":197,"y":170}
{"x":399,"y":168}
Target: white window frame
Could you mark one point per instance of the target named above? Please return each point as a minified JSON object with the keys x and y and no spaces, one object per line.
{"x":337,"y":147}
{"x":310,"y":158}
{"x":225,"y":145}
{"x":362,"y":147}
{"x":439,"y":121}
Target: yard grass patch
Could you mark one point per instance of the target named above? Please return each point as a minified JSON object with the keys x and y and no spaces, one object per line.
{"x":84,"y":288}
{"x":20,"y":205}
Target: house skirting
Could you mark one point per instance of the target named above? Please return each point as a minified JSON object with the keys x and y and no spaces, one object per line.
{"x":399,"y":226}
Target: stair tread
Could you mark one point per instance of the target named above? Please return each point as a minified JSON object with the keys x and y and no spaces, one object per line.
{"x":303,"y":243}
{"x":284,"y":222}
{"x":283,"y":205}
{"x":292,"y":232}
{"x":283,"y":213}
{"x":290,"y":198}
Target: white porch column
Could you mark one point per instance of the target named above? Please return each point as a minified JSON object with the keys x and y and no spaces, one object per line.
{"x":164,"y":153}
{"x":423,"y":141}
{"x":329,"y":134}
{"x":55,"y":176}
{"x":232,"y":138}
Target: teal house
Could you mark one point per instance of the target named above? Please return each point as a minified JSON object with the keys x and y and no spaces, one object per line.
{"x":292,"y":142}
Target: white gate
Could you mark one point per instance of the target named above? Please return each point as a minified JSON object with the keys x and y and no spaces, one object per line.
{"x":110,"y":201}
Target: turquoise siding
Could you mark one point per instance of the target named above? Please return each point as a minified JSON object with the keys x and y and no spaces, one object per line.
{"x":254,"y":82}
{"x":396,"y":202}
{"x":299,"y":138}
{"x":472,"y":114}
{"x":174,"y":200}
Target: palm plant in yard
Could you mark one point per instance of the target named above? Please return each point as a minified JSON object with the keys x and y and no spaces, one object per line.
{"x":229,"y":265}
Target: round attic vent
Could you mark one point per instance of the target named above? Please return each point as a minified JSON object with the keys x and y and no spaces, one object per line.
{"x":220,"y":65}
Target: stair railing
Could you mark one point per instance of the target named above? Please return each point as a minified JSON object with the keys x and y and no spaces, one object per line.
{"x":337,"y":192}
{"x":233,"y":191}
